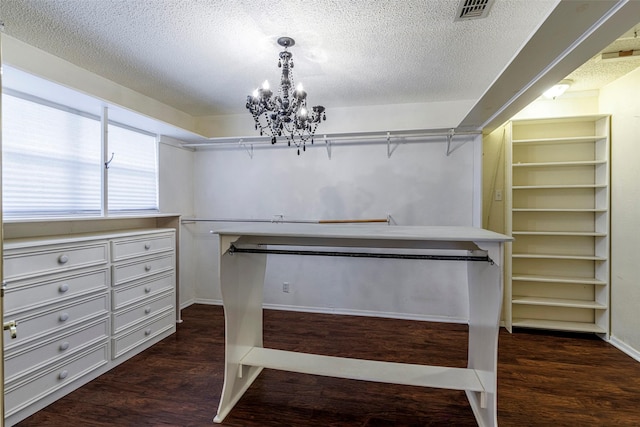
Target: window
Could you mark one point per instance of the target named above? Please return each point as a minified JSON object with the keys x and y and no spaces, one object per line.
{"x":51,"y":160}
{"x":133,"y":170}
{"x":52,"y":163}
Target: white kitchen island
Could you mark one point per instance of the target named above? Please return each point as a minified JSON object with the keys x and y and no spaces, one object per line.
{"x":243,"y":260}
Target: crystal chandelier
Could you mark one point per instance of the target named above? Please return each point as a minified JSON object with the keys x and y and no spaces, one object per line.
{"x":285,"y":114}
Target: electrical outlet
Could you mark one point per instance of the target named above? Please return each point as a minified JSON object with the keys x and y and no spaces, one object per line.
{"x":285,"y":287}
{"x":498,"y":197}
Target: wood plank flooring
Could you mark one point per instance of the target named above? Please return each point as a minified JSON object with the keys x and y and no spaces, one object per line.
{"x":544,"y":379}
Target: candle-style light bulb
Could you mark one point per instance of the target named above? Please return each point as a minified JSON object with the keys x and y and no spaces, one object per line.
{"x":300,"y":93}
{"x":303,"y":112}
{"x":265,"y":85}
{"x":255,"y":93}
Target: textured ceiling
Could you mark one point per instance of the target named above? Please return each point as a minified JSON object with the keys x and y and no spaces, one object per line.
{"x":204,"y":56}
{"x":596,"y":73}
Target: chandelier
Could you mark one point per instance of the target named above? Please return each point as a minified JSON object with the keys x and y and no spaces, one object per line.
{"x":285,"y":114}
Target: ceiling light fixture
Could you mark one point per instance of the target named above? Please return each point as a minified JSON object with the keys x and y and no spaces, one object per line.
{"x":557,"y":89}
{"x":285,"y":114}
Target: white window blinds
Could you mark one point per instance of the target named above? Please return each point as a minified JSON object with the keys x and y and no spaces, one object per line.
{"x":133,"y":174}
{"x":52,"y":163}
{"x":51,"y":160}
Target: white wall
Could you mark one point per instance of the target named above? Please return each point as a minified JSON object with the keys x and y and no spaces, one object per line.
{"x":176,"y":196}
{"x":621,"y":99}
{"x":370,"y":118}
{"x":418,"y":185}
{"x":569,"y":104}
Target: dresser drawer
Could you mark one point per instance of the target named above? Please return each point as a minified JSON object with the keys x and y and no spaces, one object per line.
{"x":139,"y":313}
{"x":126,"y":272}
{"x":25,"y":391}
{"x":137,"y":336}
{"x":28,"y":262}
{"x":28,"y":358}
{"x":27,"y":295}
{"x":142,"y":245}
{"x":36,"y":324}
{"x":142,"y":290}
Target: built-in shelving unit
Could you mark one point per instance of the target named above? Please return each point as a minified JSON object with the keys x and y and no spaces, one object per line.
{"x":557,"y":201}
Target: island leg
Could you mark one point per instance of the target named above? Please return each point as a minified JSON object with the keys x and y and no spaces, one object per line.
{"x":485,"y":302}
{"x":241,"y":282}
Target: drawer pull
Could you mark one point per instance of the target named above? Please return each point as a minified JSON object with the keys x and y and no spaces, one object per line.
{"x":147,"y":289}
{"x":64,"y":346}
{"x":62,"y":375}
{"x":147,"y":310}
{"x":147,"y":331}
{"x":64,"y":317}
{"x":63,"y":288}
{"x":63,"y":259}
{"x":147,"y":246}
{"x":147,"y":267}
{"x":12,"y":327}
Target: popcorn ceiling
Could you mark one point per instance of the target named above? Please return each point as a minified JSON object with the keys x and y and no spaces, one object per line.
{"x":204,"y":57}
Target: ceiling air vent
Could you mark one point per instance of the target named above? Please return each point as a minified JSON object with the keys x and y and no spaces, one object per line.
{"x":473,"y":9}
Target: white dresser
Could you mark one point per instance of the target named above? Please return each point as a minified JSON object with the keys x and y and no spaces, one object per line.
{"x":143,"y":290}
{"x":82,"y":304}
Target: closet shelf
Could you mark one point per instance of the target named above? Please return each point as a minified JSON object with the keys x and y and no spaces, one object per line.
{"x":559,"y":279}
{"x":558,"y":302}
{"x":560,"y":233}
{"x":558,"y":325}
{"x":557,"y":186}
{"x":569,"y":140}
{"x":595,"y":210}
{"x":560,"y":164}
{"x":556,"y":256}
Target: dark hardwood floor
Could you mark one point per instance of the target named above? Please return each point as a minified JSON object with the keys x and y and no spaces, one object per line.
{"x":544,"y":379}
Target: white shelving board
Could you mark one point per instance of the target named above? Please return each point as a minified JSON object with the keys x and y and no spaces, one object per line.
{"x":557,"y":209}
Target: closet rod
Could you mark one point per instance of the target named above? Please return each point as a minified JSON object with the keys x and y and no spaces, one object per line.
{"x":281,"y":220}
{"x":365,"y":138}
{"x":233,"y":249}
{"x":352,"y":221}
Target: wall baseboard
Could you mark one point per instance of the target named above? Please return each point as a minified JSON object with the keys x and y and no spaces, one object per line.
{"x":625,"y":348}
{"x":186,"y":304}
{"x":348,"y":312}
{"x":207,"y":301}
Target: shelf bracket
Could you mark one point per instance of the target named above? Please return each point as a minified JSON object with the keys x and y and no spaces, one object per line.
{"x":327,"y":144}
{"x":389,"y":149}
{"x":449,"y":139}
{"x":247,"y":147}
